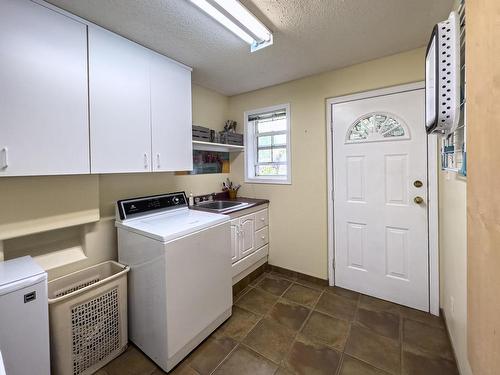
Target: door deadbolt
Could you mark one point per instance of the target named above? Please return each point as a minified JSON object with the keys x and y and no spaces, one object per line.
{"x":418,"y":200}
{"x":418,"y":184}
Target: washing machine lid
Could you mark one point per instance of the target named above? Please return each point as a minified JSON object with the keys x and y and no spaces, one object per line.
{"x":20,"y":271}
{"x":170,"y":225}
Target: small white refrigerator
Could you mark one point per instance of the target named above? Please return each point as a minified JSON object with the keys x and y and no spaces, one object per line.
{"x":24,"y":317}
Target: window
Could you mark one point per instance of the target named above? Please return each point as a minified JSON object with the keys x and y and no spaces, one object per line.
{"x":267,"y":153}
{"x":376,"y":127}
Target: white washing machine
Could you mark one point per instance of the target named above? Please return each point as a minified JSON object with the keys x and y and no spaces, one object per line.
{"x":180,"y":281}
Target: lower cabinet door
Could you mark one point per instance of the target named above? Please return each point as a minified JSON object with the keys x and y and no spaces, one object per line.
{"x":247,"y":235}
{"x":235,"y":239}
{"x":261,"y":237}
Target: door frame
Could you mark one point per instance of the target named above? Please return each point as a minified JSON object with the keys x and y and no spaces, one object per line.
{"x":432,"y":180}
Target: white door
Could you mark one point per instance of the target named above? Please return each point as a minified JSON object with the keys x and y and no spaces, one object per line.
{"x":120,"y":126}
{"x":247,"y":235}
{"x":44,"y":98}
{"x":170,"y":115}
{"x":380,"y":197}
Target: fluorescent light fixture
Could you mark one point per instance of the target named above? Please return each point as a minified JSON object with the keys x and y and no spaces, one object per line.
{"x":238,"y":19}
{"x":247,"y":19}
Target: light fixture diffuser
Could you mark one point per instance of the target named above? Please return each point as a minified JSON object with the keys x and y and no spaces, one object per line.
{"x":238,"y":19}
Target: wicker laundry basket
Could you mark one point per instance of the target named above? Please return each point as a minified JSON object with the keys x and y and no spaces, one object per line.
{"x":88,"y":318}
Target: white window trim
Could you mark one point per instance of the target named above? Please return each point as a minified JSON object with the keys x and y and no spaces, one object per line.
{"x":250,"y":149}
{"x":399,"y":120}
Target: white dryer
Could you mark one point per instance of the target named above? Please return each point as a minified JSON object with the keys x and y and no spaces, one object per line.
{"x":180,"y":281}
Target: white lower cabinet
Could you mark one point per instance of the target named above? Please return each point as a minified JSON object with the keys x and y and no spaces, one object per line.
{"x":247,"y":235}
{"x":249,"y":239}
{"x":261,"y":219}
{"x":235,"y":238}
{"x":261,"y":237}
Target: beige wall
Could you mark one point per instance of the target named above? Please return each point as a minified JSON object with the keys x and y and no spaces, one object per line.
{"x":483,"y":185}
{"x":209,"y":108}
{"x":61,"y":205}
{"x":298,"y":214}
{"x":453,"y":261}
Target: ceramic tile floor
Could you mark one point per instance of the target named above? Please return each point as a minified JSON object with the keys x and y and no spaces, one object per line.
{"x":282,"y":325}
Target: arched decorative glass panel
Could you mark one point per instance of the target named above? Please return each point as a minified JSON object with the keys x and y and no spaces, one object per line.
{"x":377,"y":127}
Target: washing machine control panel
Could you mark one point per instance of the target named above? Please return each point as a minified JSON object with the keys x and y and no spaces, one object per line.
{"x":133,"y":207}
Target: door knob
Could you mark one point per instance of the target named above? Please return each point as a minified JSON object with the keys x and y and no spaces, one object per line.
{"x":418,"y":200}
{"x":417,"y":183}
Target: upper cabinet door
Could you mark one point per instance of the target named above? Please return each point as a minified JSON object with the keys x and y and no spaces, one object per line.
{"x":120,"y":124}
{"x":43,"y":96}
{"x":170,"y":115}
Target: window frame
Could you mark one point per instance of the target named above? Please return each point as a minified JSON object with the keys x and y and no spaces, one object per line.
{"x":406,"y":136}
{"x":251,"y":148}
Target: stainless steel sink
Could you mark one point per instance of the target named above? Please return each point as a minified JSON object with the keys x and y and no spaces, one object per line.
{"x":221,"y":206}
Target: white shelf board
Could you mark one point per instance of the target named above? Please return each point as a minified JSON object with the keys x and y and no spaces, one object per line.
{"x":222,"y":147}
{"x":29,"y":227}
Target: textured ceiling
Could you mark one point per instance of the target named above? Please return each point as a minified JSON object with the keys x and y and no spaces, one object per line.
{"x":309,"y":36}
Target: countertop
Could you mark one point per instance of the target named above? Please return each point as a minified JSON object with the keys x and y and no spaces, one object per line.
{"x":252,"y":202}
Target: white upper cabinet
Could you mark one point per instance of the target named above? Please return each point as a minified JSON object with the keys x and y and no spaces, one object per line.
{"x":120,"y":112}
{"x":54,"y":75}
{"x":140,"y":108}
{"x":43,"y":97}
{"x":170,"y":115}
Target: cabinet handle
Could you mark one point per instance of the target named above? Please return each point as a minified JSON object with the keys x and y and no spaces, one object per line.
{"x":263,"y":238}
{"x":5,"y":163}
{"x":262,"y":219}
{"x":158,"y":161}
{"x":145,"y":160}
